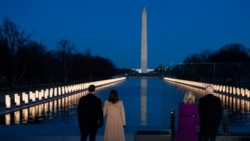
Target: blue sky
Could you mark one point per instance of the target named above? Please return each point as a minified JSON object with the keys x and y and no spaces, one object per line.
{"x":112,"y":28}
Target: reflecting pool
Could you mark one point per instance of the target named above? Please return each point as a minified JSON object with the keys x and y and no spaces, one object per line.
{"x":147,"y":104}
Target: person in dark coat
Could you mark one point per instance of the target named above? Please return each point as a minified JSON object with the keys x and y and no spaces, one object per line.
{"x":90,"y":114}
{"x":210,"y":111}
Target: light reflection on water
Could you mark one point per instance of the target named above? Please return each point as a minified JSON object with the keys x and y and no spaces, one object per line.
{"x":147,"y":105}
{"x":39,"y":114}
{"x":143,"y":101}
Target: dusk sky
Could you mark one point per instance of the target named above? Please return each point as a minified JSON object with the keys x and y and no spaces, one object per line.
{"x":112,"y":28}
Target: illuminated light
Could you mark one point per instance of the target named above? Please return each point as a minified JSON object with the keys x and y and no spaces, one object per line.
{"x":238,"y":91}
{"x":234,"y":104}
{"x":59,"y":91}
{"x":238,"y":104}
{"x":247,"y":106}
{"x":46,"y":93}
{"x":25,"y":98}
{"x":7,"y":101}
{"x":17,"y":99}
{"x":40,"y":110}
{"x":51,"y":93}
{"x":25,"y":115}
{"x":230,"y":89}
{"x":37,"y":109}
{"x":66,"y":90}
{"x":43,"y":94}
{"x":40,"y":95}
{"x":37,"y":94}
{"x":64,"y":101}
{"x":234,"y":91}
{"x":46,"y":107}
{"x":32,"y":113}
{"x":223,"y":88}
{"x":220,"y":88}
{"x":71,"y":89}
{"x":216,"y":87}
{"x":51,"y":106}
{"x":242,"y":92}
{"x":63,"y":90}
{"x":17,"y":117}
{"x":7,"y":119}
{"x":55,"y":106}
{"x":32,"y":96}
{"x":227,"y":89}
{"x":60,"y":103}
{"x":55,"y":92}
{"x":247,"y":93}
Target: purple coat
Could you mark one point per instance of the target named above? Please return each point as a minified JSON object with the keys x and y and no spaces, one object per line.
{"x":188,"y":119}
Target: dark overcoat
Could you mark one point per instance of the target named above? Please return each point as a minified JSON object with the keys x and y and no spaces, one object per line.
{"x":210,"y":112}
{"x":89,"y":111}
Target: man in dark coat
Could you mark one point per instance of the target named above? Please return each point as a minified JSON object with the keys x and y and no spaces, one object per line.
{"x":210,"y":111}
{"x":90,"y":115}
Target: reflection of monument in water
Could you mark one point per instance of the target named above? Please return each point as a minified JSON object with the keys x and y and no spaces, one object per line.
{"x":143,"y":101}
{"x":144,"y":42}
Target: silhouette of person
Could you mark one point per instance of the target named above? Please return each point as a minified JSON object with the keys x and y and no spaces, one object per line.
{"x":188,"y":119}
{"x":115,"y":122}
{"x":210,"y":111}
{"x":90,"y":114}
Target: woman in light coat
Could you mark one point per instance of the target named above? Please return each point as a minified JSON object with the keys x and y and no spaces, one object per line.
{"x":115,"y":122}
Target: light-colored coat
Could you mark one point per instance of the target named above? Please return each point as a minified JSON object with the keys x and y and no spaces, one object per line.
{"x":115,"y":120}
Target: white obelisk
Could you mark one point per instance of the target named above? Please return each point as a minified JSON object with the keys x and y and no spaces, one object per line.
{"x":144,"y":42}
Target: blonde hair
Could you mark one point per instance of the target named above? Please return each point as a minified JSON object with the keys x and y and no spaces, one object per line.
{"x":189,"y":97}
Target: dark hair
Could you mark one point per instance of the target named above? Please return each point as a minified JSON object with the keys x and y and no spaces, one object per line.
{"x":113,"y":96}
{"x":91,"y":88}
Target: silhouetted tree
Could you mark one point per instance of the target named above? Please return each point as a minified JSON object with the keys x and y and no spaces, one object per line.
{"x":27,"y":62}
{"x":11,"y":41}
{"x":228,"y":64}
{"x":231,"y":53}
{"x":65,"y":55}
{"x":102,"y":68}
{"x":33,"y":56}
{"x":232,"y":63}
{"x":4,"y":60}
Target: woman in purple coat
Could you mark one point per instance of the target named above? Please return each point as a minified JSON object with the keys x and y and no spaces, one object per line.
{"x":188,"y":119}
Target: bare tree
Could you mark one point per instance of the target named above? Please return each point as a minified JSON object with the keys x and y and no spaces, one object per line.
{"x":65,"y":55}
{"x":13,"y":40}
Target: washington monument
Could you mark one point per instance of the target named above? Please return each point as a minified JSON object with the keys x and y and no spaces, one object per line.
{"x":144,"y":42}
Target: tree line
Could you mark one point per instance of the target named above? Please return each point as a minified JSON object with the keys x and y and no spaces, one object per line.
{"x":229,"y":65}
{"x":27,"y":62}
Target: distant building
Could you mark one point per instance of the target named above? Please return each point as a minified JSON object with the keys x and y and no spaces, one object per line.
{"x":139,"y":70}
